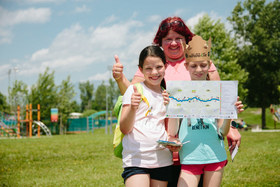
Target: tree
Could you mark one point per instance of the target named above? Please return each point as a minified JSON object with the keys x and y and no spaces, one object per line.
{"x":44,"y":92}
{"x":257,"y":28}
{"x":18,"y":94}
{"x":223,"y":52}
{"x":100,"y":97}
{"x":76,"y":106}
{"x":86,"y":95}
{"x":113,"y":93}
{"x":3,"y":104}
{"x":65,"y":96}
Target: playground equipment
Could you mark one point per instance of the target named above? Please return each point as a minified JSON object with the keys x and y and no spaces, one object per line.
{"x":8,"y":125}
{"x":43,"y":126}
{"x":275,"y":110}
{"x":6,"y":130}
{"x":29,"y":121}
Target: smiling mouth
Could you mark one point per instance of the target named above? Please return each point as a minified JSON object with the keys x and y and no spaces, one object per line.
{"x":174,"y":48}
{"x":155,"y":78}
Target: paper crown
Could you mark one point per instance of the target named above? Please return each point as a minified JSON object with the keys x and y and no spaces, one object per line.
{"x":197,"y":49}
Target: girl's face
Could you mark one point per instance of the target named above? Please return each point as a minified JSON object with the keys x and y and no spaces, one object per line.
{"x":153,"y":70}
{"x":198,"y":70}
{"x":172,"y":47}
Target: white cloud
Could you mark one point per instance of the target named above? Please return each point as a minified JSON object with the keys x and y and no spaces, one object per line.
{"x":100,"y":76}
{"x":194,"y":20}
{"x":39,"y":54}
{"x":179,"y":12}
{"x":31,"y":15}
{"x":91,"y":50}
{"x":155,"y":18}
{"x":44,"y":1}
{"x":8,"y":19}
{"x":6,"y":35}
{"x":82,"y":9}
{"x":4,"y":69}
{"x":213,"y":15}
{"x":111,"y":19}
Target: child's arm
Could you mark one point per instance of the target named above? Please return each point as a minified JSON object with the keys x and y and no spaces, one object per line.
{"x":172,"y":127}
{"x":172,"y":130}
{"x":172,"y":123}
{"x":224,"y":125}
{"x":129,"y":112}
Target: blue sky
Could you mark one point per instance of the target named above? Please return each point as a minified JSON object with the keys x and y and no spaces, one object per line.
{"x":80,"y":37}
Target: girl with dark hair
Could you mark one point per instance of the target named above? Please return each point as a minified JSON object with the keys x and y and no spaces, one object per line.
{"x":145,"y":162}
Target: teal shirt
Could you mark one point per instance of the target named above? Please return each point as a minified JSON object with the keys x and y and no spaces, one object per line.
{"x":205,"y":146}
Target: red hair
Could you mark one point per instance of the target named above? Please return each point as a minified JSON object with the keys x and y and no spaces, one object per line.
{"x":172,"y":23}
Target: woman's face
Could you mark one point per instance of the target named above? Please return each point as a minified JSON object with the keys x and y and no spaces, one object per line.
{"x":153,"y":70}
{"x":172,"y":47}
{"x":198,"y":70}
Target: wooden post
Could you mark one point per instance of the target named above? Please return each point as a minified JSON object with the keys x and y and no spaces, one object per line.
{"x":30,"y":120}
{"x":18,"y":121}
{"x":38,"y":118}
{"x":27,"y":119}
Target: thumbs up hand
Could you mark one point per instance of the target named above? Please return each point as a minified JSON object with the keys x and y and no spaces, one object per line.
{"x":117,"y":69}
{"x":135,"y":98}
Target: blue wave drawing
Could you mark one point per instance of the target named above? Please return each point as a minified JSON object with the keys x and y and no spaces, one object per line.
{"x":197,"y":98}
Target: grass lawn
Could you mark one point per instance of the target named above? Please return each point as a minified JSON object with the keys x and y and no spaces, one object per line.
{"x":87,"y":160}
{"x":253,"y":116}
{"x":62,"y":160}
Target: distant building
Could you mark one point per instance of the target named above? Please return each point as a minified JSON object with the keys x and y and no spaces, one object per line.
{"x":75,"y":115}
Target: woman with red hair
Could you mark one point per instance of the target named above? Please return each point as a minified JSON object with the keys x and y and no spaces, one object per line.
{"x":171,"y":32}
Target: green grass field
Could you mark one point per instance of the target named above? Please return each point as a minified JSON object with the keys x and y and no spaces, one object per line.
{"x":253,"y":116}
{"x":87,"y":160}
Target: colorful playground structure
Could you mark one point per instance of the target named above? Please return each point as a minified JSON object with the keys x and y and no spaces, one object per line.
{"x":11,"y":125}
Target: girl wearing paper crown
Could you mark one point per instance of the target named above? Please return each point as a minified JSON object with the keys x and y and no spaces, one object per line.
{"x":205,"y":153}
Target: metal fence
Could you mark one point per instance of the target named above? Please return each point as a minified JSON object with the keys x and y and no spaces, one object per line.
{"x":87,"y":124}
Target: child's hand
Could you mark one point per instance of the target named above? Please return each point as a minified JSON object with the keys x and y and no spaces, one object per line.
{"x":174,"y":148}
{"x":165,"y":97}
{"x":135,"y":98}
{"x":239,"y":106}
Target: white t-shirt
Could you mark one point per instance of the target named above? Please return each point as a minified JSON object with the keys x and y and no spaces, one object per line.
{"x":140,"y":148}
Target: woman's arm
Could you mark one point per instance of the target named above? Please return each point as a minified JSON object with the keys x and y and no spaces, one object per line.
{"x":213,"y":72}
{"x":118,"y":75}
{"x":120,"y":78}
{"x":214,"y":76}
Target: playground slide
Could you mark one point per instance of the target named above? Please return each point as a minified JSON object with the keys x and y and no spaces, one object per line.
{"x":44,"y":127}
